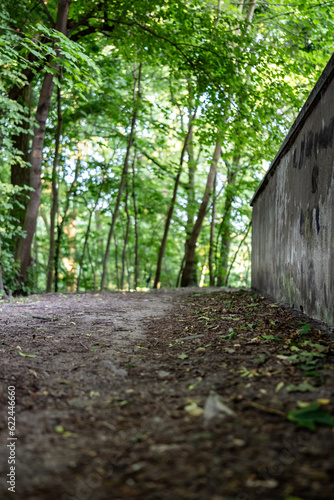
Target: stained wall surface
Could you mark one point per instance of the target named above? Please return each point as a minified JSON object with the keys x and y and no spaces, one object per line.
{"x":293,"y":212}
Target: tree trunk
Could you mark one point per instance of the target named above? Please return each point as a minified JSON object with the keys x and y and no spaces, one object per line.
{"x":192,"y":163}
{"x":20,"y":176}
{"x":54,"y":195}
{"x":88,"y":232}
{"x":191,"y":202}
{"x":250,"y":11}
{"x":124,"y":174}
{"x":92,"y":268}
{"x":172,"y":203}
{"x":84,"y":248}
{"x":212,"y":235}
{"x":24,"y":246}
{"x":226,"y":226}
{"x":61,"y":224}
{"x":135,"y":211}
{"x":116,"y":262}
{"x":126,"y":238}
{"x":3,"y":293}
{"x":69,"y":259}
{"x":238,"y":249}
{"x":189,"y":255}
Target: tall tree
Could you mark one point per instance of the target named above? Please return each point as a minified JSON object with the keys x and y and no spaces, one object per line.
{"x":23,"y":254}
{"x":172,"y":202}
{"x":55,"y":196}
{"x":137,"y":96}
{"x":189,"y":256}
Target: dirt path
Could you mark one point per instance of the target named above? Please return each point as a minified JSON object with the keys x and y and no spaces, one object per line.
{"x":176,"y":395}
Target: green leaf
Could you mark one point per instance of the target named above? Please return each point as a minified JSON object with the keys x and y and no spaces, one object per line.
{"x":305,"y":329}
{"x":279,"y":386}
{"x":230,"y":336}
{"x":310,"y":416}
{"x":183,"y":356}
{"x":60,"y":429}
{"x":270,"y":337}
{"x":303,"y":387}
{"x":25,"y":355}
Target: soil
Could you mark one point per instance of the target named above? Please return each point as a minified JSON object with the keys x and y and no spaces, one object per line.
{"x":185,"y":394}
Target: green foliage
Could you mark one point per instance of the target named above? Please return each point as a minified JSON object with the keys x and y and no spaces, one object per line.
{"x":310,"y":417}
{"x":248,"y":81}
{"x":9,"y":230}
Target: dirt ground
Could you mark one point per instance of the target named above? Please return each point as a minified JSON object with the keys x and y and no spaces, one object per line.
{"x":215,"y":395}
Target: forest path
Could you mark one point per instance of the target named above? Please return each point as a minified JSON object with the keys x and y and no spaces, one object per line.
{"x":164,"y":395}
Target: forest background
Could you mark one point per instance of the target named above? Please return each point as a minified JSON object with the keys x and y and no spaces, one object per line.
{"x":133,"y":135}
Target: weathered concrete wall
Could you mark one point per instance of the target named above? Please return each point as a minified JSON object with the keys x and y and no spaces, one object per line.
{"x":293,"y":211}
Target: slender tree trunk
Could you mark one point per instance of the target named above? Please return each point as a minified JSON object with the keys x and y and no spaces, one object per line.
{"x":135,"y":211}
{"x":186,"y":279}
{"x":92,"y":267}
{"x":3,"y":294}
{"x":226,"y":225}
{"x":35,"y":263}
{"x":224,"y":248}
{"x":180,"y":274}
{"x":116,"y":262}
{"x":24,"y":246}
{"x":172,"y":203}
{"x":20,"y":176}
{"x":126,"y":238}
{"x":69,"y":259}
{"x":124,"y":173}
{"x":54,"y":190}
{"x":99,"y":231}
{"x":236,"y":253}
{"x":251,"y":9}
{"x":192,"y":164}
{"x":84,"y":248}
{"x":62,"y":222}
{"x":212,"y":235}
{"x":190,"y":189}
{"x":88,"y":232}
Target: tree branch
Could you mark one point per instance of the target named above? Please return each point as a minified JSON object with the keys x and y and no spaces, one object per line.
{"x":91,"y":29}
{"x":162,"y":167}
{"x":47,"y":12}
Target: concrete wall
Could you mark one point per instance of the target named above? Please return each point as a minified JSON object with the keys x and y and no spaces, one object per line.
{"x":293,"y":211}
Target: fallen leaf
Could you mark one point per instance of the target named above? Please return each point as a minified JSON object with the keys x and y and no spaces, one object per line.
{"x":216,"y":407}
{"x":193,"y":409}
{"x":279,"y":386}
{"x":303,"y":387}
{"x":229,"y":337}
{"x":25,"y":355}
